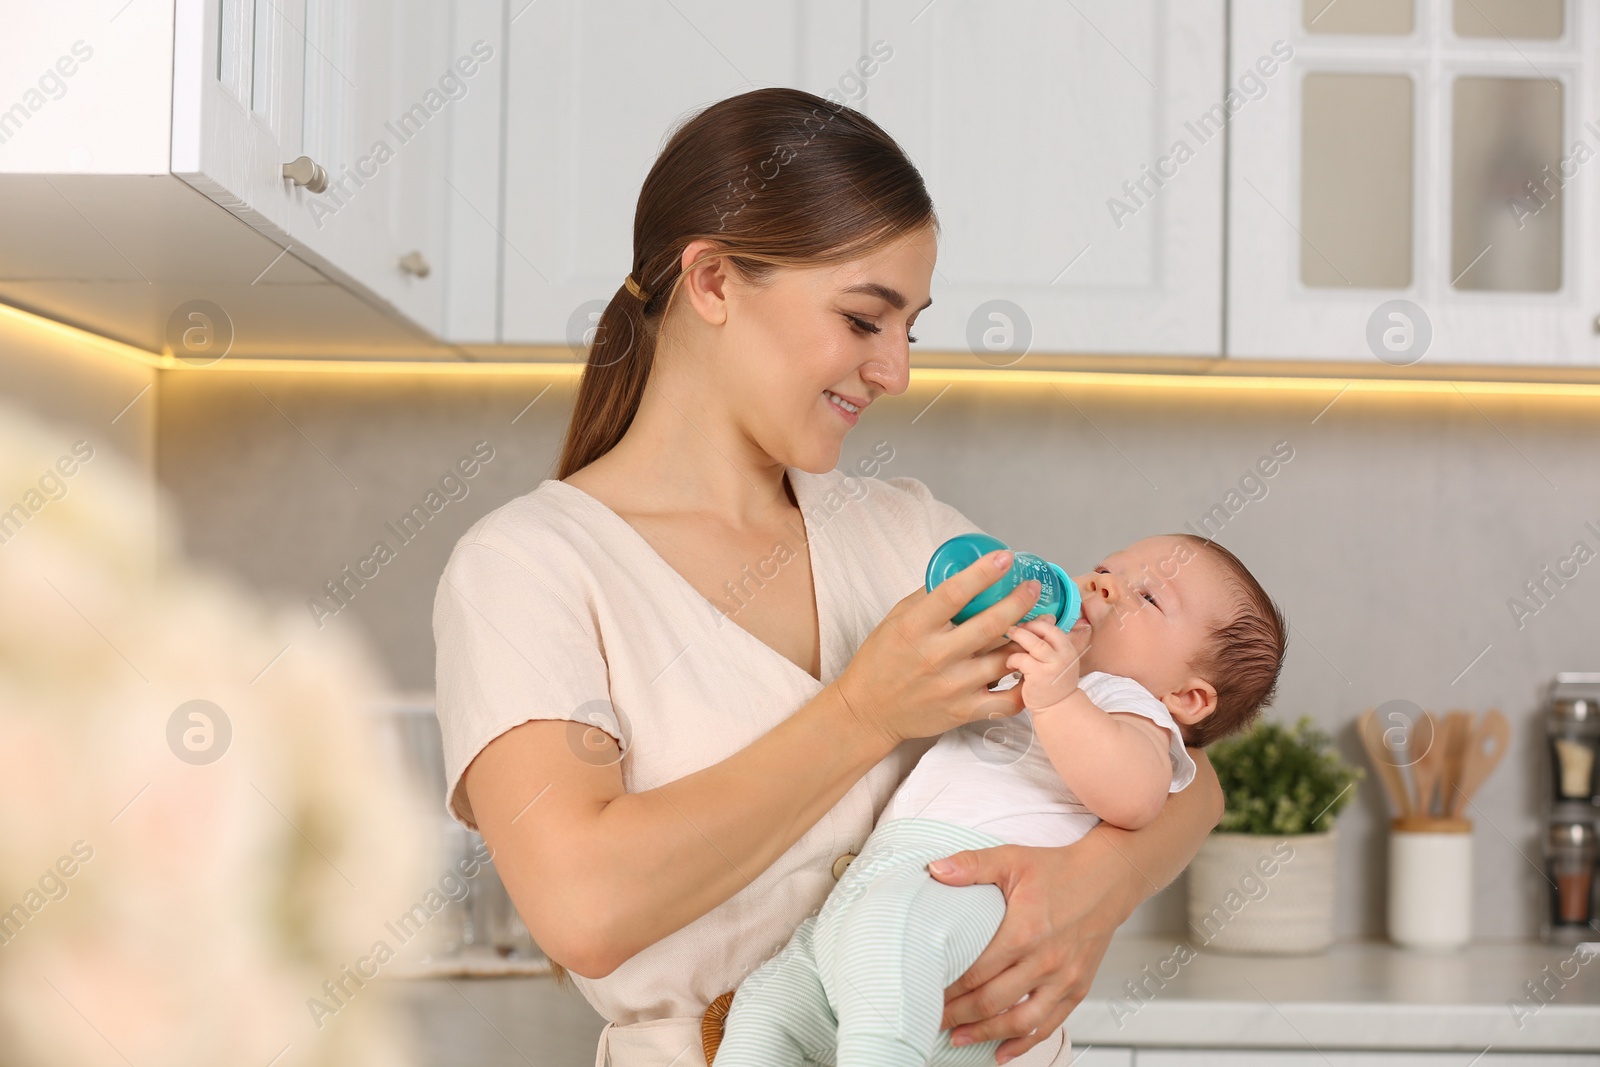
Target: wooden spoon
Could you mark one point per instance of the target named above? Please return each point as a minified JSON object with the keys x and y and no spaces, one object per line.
{"x":1423,"y":745}
{"x":1457,"y":729}
{"x":1394,"y":787}
{"x":1488,"y":742}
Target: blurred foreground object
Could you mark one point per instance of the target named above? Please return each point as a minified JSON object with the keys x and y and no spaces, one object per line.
{"x":205,"y":858}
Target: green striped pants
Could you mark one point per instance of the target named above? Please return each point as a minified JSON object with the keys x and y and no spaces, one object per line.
{"x":861,"y":983}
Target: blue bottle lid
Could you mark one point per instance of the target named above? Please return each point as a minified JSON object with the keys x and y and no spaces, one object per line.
{"x":1073,"y":608}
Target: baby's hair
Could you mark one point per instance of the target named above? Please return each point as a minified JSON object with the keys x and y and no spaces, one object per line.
{"x":1244,"y":655}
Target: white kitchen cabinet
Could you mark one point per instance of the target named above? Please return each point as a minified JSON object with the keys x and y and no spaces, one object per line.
{"x":141,"y":176}
{"x":473,"y":178}
{"x":363,"y":88}
{"x":1074,"y":166}
{"x":1389,"y":201}
{"x":593,"y":91}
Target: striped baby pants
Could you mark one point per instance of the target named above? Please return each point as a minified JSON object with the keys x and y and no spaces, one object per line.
{"x":861,"y":983}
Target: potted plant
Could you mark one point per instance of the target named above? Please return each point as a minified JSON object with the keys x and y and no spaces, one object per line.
{"x":1263,"y":882}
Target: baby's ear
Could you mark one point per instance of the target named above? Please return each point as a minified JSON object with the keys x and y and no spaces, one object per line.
{"x":1192,"y":701}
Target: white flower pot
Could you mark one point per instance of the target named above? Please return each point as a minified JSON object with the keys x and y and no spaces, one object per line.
{"x":1263,"y":894}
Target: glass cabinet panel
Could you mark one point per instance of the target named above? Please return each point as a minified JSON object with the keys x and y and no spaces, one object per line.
{"x":1356,"y":180}
{"x":1506,"y":203}
{"x":1531,"y":19}
{"x":1358,"y":16}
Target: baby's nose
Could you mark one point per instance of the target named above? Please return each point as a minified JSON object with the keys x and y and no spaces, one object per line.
{"x":1097,"y":585}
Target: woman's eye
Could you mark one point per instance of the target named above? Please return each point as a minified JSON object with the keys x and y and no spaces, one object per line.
{"x":864,"y":327}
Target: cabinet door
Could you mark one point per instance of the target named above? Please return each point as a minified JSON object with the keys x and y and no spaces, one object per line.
{"x":473,"y":175}
{"x":593,"y":90}
{"x":380,"y":86}
{"x":1069,"y":156}
{"x":357,"y":85}
{"x":1416,"y":183}
{"x":238,"y":79}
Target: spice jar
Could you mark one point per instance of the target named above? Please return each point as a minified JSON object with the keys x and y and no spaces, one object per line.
{"x":1571,"y":849}
{"x":1573,"y":726}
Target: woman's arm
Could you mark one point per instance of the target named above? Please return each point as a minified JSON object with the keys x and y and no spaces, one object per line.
{"x":1062,"y":906}
{"x":598,"y":873}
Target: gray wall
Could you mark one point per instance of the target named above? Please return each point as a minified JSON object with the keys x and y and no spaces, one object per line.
{"x":1393,"y":538}
{"x":82,"y":386}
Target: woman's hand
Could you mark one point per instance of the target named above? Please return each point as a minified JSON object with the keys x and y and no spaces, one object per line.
{"x":917,"y":675}
{"x":1059,"y":919}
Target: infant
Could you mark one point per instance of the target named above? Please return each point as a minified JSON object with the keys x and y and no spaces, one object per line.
{"x":1177,"y":644}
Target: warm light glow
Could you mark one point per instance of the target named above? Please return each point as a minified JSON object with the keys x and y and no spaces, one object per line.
{"x":64,"y":334}
{"x":1207,"y":382}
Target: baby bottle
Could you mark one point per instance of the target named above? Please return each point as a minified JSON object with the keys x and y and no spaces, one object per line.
{"x":1058,"y":594}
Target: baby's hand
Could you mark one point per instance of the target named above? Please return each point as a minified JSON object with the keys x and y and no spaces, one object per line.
{"x":1049,"y":665}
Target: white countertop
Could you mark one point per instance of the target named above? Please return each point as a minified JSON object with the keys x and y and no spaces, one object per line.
{"x":1359,"y":995}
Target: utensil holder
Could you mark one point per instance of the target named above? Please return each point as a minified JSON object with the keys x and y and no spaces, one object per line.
{"x":1430,"y":883}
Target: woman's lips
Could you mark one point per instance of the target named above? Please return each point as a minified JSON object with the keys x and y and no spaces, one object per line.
{"x":850,"y":417}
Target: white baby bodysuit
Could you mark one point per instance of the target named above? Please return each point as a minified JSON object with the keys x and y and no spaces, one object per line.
{"x":994,"y":775}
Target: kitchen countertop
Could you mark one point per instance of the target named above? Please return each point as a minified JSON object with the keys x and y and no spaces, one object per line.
{"x":1359,"y":995}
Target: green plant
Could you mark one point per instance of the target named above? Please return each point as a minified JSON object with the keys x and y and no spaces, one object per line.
{"x":1281,"y":780}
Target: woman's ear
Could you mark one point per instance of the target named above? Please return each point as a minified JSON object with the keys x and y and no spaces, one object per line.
{"x":1191,"y":701}
{"x":705,"y":286}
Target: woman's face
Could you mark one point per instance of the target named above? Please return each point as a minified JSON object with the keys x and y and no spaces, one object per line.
{"x":787,"y":349}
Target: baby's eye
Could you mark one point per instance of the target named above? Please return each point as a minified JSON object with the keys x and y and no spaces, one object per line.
{"x":1150,"y":598}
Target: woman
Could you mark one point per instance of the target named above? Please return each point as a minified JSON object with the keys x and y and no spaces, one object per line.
{"x":678,"y":682}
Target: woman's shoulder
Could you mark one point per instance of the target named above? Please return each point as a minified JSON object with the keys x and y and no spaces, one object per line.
{"x":543,"y":528}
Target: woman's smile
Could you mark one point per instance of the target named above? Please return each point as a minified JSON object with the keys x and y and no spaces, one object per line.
{"x":848,"y":411}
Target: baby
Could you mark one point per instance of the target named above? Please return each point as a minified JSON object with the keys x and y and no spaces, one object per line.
{"x":1177,"y":644}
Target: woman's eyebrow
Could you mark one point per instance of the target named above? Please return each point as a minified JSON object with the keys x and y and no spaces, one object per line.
{"x":894,"y":297}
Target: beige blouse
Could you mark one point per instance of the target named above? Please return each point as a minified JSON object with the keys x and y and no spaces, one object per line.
{"x":553,"y":607}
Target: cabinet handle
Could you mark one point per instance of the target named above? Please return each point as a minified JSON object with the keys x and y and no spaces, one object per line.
{"x":414,"y":263}
{"x":307,"y":172}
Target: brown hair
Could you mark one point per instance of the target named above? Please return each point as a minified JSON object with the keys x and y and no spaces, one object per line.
{"x":1245,"y":653}
{"x":775,"y":177}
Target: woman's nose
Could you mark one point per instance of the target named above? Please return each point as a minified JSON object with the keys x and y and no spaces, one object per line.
{"x":891,"y":372}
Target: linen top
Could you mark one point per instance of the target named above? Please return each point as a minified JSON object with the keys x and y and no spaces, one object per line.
{"x":553,"y":607}
{"x":995,"y":775}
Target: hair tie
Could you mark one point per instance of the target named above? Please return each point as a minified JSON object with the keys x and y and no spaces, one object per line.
{"x":633,"y":287}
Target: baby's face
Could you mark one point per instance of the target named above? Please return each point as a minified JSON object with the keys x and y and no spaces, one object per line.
{"x":1150,"y":609}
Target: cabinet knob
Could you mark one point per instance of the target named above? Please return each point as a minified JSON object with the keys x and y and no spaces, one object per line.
{"x":307,"y":172}
{"x":414,"y":263}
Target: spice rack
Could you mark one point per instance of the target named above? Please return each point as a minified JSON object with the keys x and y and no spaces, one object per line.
{"x":1572,"y":846}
